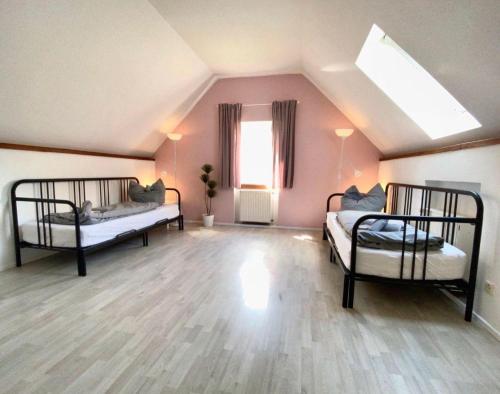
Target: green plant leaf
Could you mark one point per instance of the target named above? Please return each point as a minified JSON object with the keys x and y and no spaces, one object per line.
{"x":207,"y":168}
{"x":204,"y":178}
{"x":211,"y":193}
{"x":212,"y":184}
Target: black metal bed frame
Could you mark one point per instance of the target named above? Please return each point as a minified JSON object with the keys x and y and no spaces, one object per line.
{"x":47,"y":204}
{"x":448,"y":221}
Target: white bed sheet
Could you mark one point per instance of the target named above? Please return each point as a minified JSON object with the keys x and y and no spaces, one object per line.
{"x":445,"y":264}
{"x":64,"y":235}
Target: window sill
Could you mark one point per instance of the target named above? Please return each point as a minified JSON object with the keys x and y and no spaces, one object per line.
{"x":246,"y":186}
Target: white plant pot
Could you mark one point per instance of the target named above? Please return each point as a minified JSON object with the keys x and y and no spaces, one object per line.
{"x":208,"y":220}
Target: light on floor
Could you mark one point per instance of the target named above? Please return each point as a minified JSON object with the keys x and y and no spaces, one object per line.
{"x":303,"y":237}
{"x":255,"y":282}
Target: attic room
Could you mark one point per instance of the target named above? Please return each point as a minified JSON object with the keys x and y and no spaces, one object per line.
{"x":249,"y":197}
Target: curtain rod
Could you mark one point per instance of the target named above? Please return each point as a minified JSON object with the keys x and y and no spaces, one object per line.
{"x":256,"y":105}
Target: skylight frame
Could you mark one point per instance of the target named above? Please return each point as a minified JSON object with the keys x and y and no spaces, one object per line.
{"x":414,"y":90}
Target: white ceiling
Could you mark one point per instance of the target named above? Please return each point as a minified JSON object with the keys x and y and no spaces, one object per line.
{"x":94,"y":75}
{"x":115,"y":75}
{"x":457,"y":41}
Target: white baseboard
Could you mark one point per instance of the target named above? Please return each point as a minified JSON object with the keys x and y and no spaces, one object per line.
{"x":482,"y":321}
{"x":258,"y":225}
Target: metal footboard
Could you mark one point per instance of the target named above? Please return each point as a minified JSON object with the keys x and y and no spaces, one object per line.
{"x":407,"y":194}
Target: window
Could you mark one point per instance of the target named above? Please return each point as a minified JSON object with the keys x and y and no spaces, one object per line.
{"x":412,"y":88}
{"x":256,"y":154}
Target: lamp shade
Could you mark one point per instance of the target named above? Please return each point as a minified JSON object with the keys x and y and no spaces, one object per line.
{"x":174,"y":136}
{"x":344,"y":133}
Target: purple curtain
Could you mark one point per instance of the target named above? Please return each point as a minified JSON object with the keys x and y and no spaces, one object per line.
{"x":229,"y":140}
{"x":284,"y":142}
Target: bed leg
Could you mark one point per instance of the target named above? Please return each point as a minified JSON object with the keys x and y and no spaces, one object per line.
{"x":345,"y":294}
{"x":180,"y":222}
{"x":145,"y":239}
{"x":82,"y":266}
{"x":18,"y":257}
{"x":469,"y":305}
{"x":331,"y":255}
{"x":324,"y":232}
{"x":351,"y":293}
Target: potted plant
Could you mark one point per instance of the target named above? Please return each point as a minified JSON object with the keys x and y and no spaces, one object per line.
{"x":210,"y":192}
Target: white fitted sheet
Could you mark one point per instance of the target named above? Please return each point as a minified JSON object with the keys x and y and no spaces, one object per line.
{"x":64,"y":235}
{"x":444,"y":264}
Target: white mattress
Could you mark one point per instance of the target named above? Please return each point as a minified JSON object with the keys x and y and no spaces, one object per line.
{"x":443,"y":264}
{"x":64,"y":235}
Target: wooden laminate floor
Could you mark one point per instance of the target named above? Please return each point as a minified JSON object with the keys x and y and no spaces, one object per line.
{"x":230,"y":310}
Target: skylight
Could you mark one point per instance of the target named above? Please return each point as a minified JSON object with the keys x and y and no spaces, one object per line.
{"x":412,"y":88}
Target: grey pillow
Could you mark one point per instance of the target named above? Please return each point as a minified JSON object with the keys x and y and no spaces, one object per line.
{"x":353,"y":200}
{"x":153,"y":193}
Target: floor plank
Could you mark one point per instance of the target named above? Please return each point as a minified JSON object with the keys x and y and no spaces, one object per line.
{"x":230,"y":310}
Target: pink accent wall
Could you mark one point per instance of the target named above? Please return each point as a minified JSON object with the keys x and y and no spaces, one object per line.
{"x":316,"y":156}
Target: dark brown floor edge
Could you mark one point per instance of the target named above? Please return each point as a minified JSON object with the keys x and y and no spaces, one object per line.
{"x":70,"y":151}
{"x":449,"y":148}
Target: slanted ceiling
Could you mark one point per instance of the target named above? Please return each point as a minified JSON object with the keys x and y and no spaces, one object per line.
{"x":116,"y":75}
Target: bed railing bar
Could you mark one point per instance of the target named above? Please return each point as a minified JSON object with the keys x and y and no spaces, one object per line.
{"x":450,"y":211}
{"x":426,"y":202}
{"x":429,"y":204}
{"x":453,"y":225}
{"x":421,"y":206}
{"x":48,"y":214}
{"x":389,"y":191}
{"x":37,"y":223}
{"x":449,"y":215}
{"x":444,"y":214}
{"x":426,"y":250}
{"x":43,"y":216}
{"x":404,"y":201}
{"x":405,"y":206}
{"x":403,"y":250}
{"x":471,"y":286}
{"x":327,"y":201}
{"x":396,"y":201}
{"x":393,"y":198}
{"x":100,"y":193}
{"x":105,"y":193}
{"x":178,"y":196}
{"x":54,"y":195}
{"x":405,"y":198}
{"x":79,"y":203}
{"x":396,"y":196}
{"x":409,"y":202}
{"x":414,"y":250}
{"x":410,"y":205}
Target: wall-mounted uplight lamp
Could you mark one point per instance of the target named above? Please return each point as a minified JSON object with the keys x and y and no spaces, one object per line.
{"x":174,"y":137}
{"x":343,"y":134}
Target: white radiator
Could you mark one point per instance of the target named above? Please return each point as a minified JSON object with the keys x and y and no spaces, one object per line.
{"x":256,"y":206}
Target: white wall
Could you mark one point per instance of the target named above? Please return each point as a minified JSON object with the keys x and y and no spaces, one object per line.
{"x":472,"y":165}
{"x":15,"y":165}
